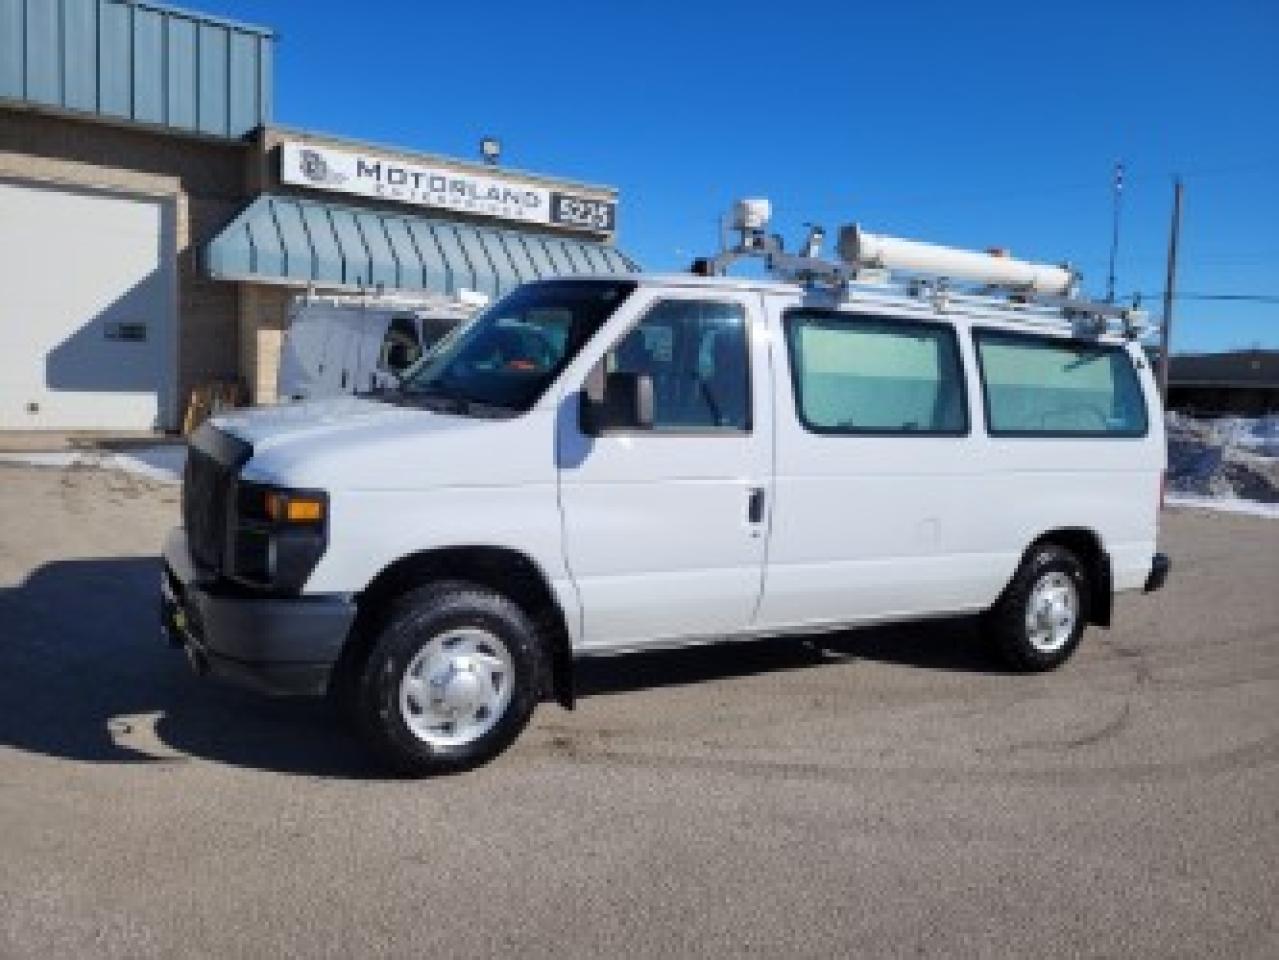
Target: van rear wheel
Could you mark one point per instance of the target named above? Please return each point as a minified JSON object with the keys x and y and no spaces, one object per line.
{"x":1040,"y":618}
{"x":451,"y":680}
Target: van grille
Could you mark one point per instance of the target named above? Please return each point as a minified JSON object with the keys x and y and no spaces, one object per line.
{"x":204,"y":497}
{"x":213,"y":460}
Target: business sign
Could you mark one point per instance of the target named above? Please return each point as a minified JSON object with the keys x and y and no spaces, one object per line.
{"x":385,"y":178}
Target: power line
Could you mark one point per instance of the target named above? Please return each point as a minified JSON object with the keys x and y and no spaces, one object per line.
{"x":1220,"y":297}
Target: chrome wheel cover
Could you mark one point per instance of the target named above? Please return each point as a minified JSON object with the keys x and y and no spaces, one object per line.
{"x":1052,"y":612}
{"x":457,"y":686}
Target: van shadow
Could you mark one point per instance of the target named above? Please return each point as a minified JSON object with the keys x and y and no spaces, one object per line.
{"x":85,"y":675}
{"x":941,"y":644}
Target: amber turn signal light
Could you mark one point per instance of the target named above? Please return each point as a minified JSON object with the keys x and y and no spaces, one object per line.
{"x":294,"y":508}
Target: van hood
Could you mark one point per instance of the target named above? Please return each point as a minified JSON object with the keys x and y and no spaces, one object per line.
{"x":361,"y":443}
{"x":267,"y":427}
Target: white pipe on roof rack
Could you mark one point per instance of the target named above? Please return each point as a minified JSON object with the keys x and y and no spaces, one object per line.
{"x":862,"y":249}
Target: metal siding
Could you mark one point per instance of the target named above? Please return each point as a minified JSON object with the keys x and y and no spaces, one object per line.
{"x":436,"y":274}
{"x":573,"y":253}
{"x":460,"y":272}
{"x":230,"y":254}
{"x":355,"y":256}
{"x":508,"y":277}
{"x":285,"y":237}
{"x":11,"y":49}
{"x":605,"y":256}
{"x":326,"y":255}
{"x":266,"y":79}
{"x":299,"y":259}
{"x":138,"y":62}
{"x":561,"y":265}
{"x":43,"y":54}
{"x":616,"y":262}
{"x":115,"y":41}
{"x":587,"y":252}
{"x":537,"y":252}
{"x":518,"y":255}
{"x":148,"y":66}
{"x":80,"y":42}
{"x":242,"y":64}
{"x":481,"y":267}
{"x":180,"y":58}
{"x":382,"y":263}
{"x":412,"y":272}
{"x":264,"y":236}
{"x":211,"y":70}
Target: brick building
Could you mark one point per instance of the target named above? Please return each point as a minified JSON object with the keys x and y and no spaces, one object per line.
{"x":155,"y":221}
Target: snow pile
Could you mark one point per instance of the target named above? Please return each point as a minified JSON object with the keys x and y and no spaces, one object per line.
{"x":1228,"y":459}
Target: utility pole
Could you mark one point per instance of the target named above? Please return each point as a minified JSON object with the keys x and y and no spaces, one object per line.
{"x":1165,"y":332}
{"x":1116,"y":200}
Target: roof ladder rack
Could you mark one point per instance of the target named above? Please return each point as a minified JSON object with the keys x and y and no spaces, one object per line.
{"x":1031,"y":292}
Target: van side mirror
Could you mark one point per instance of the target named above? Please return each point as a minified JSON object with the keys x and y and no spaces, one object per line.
{"x":616,"y":401}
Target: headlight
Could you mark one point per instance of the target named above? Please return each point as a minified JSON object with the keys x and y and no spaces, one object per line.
{"x":279,"y":535}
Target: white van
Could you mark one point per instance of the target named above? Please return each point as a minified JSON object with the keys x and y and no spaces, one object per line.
{"x":598,"y":465}
{"x":338,"y":344}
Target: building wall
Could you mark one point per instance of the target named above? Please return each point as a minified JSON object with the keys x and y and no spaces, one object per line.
{"x":263,"y":318}
{"x":203,"y":177}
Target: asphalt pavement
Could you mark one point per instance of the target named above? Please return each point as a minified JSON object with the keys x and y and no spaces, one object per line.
{"x":890,"y":792}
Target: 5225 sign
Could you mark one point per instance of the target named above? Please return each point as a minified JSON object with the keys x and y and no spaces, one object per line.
{"x":583,"y":212}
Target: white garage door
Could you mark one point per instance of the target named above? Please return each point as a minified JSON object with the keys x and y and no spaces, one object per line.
{"x":87,"y":304}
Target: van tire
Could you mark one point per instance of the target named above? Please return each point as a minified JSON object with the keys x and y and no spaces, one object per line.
{"x":1051,"y":581}
{"x":491,"y":637}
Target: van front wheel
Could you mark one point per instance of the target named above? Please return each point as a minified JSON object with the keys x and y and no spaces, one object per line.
{"x":1040,"y":617}
{"x":451,"y":680}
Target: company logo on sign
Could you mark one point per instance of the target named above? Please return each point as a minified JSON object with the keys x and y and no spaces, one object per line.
{"x":315,"y":169}
{"x":392,"y":179}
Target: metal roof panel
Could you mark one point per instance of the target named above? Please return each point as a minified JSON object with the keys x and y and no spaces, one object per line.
{"x":135,"y":61}
{"x":295,"y":240}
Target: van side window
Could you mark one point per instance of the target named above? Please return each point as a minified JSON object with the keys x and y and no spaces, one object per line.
{"x":855,"y":374}
{"x":400,"y":347}
{"x":695,"y":352}
{"x":1042,"y":386}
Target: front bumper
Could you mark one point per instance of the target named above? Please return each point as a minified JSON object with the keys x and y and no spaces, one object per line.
{"x":275,"y":645}
{"x":1159,"y":568}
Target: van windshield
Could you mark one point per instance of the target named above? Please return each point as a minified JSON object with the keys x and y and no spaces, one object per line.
{"x":507,"y":356}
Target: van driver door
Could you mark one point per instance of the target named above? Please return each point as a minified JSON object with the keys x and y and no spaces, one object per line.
{"x":665,"y":528}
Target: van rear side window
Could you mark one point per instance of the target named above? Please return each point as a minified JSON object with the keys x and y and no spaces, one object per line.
{"x":1041,"y":386}
{"x":871,"y":375}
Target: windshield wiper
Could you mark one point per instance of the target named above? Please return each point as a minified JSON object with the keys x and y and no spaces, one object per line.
{"x":447,"y":401}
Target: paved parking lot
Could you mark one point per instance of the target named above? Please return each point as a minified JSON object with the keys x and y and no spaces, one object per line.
{"x":887,"y":792}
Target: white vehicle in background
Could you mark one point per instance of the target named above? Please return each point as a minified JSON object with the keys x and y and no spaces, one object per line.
{"x":338,"y":344}
{"x":598,"y":465}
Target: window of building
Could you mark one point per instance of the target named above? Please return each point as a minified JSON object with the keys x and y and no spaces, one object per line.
{"x":1042,"y":386}
{"x":695,"y":351}
{"x":855,"y":374}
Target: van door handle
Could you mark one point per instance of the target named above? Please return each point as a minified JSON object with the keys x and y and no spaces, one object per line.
{"x":755,"y":505}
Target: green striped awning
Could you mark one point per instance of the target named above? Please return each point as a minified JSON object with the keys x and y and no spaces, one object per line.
{"x":290,"y":239}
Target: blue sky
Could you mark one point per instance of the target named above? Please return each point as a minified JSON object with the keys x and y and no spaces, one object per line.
{"x":967,"y":123}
